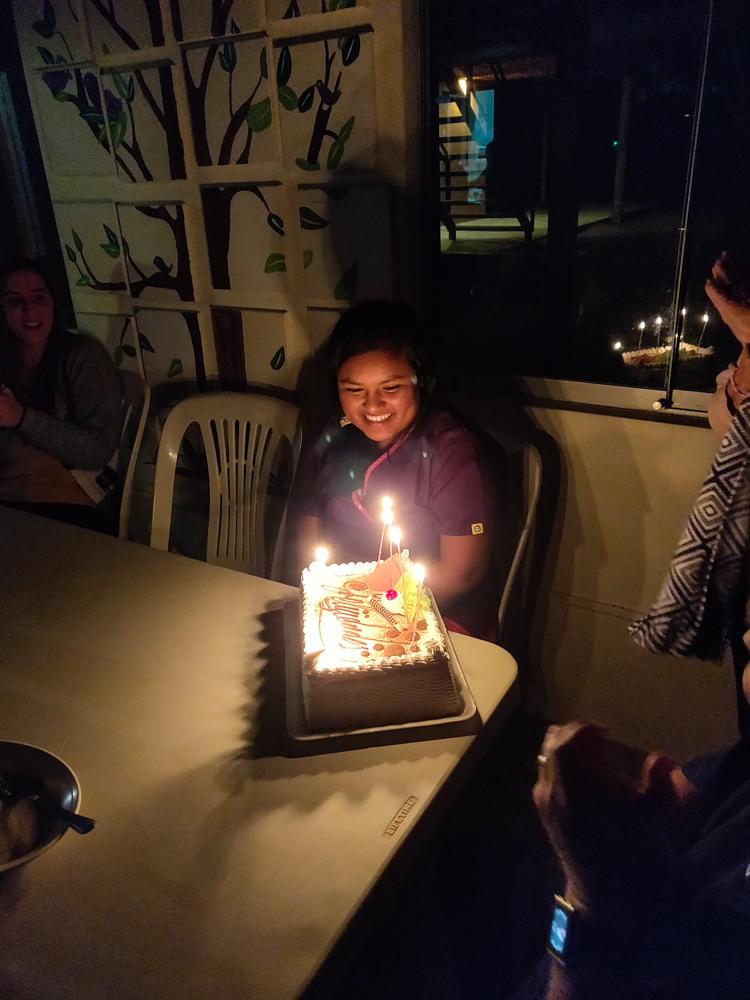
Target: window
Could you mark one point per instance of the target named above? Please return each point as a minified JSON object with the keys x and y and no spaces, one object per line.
{"x":564,"y":140}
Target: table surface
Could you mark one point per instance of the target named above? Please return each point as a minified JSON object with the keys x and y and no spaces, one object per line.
{"x":214,"y":871}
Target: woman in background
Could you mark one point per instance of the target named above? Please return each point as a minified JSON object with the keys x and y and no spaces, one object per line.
{"x":393,"y":440}
{"x":60,"y":404}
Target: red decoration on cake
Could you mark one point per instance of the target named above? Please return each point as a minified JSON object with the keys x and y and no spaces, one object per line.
{"x":391,"y":595}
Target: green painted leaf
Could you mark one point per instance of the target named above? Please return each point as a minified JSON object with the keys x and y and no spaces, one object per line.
{"x":341,"y":4}
{"x":71,"y":253}
{"x":263,"y":64}
{"x":92,"y":116}
{"x":131,"y":90}
{"x":63,"y":96}
{"x":117,"y":356}
{"x":111,"y":235}
{"x":102,"y":138}
{"x":175,"y":368}
{"x":43,"y":29}
{"x":125,"y":247}
{"x":46,"y":55}
{"x":347,"y":285}
{"x":311,"y":220}
{"x":84,"y":280}
{"x":228,"y":57}
{"x":277,"y":361}
{"x":105,"y":49}
{"x":77,"y":240}
{"x":275,"y":262}
{"x":121,"y":85}
{"x":145,"y":343}
{"x":335,"y":153}
{"x":128,"y":349}
{"x":307,"y":258}
{"x":118,"y":127}
{"x":259,"y":115}
{"x":284,"y":67}
{"x":306,"y":99}
{"x":304,"y":165}
{"x":112,"y":249}
{"x":233,"y":27}
{"x":350,"y":49}
{"x":276,"y":223}
{"x":346,"y":129}
{"x":336,"y":193}
{"x":288,"y":98}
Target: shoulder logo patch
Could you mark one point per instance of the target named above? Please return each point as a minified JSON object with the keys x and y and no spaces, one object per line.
{"x":477,"y":529}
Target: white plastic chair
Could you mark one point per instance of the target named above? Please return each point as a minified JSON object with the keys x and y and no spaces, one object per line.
{"x":525,"y":463}
{"x":135,"y":403}
{"x":241,"y":434}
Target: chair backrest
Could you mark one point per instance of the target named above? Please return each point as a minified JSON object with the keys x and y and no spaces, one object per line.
{"x":523,"y":483}
{"x":241,"y":434}
{"x":136,"y":395}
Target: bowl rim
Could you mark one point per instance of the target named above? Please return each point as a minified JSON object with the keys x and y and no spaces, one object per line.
{"x":59,"y":829}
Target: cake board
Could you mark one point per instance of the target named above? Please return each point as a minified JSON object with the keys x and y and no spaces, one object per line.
{"x":468,"y":722}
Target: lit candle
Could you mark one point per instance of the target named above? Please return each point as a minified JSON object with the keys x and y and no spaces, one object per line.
{"x":705,"y":324}
{"x":387,"y":519}
{"x":418,"y":572}
{"x":658,"y":330}
{"x":394,"y":537}
{"x":641,"y":327}
{"x":319,"y":564}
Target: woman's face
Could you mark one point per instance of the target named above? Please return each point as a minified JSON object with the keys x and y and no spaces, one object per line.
{"x":28,"y":308}
{"x":378,"y":393}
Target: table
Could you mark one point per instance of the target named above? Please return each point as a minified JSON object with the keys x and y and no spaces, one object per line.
{"x":214,"y":871}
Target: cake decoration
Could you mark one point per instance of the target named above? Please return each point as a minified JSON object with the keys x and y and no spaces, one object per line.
{"x":371,"y":659}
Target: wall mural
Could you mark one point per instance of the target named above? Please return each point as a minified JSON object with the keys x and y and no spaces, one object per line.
{"x":280,"y":118}
{"x":230,"y":110}
{"x":325,"y":89}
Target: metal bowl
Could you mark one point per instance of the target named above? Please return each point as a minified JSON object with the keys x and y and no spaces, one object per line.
{"x":59,"y":782}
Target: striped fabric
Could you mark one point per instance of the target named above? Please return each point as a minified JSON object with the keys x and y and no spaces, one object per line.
{"x":692,"y":614}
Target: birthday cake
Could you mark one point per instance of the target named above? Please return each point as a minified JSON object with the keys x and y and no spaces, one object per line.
{"x":370,"y":658}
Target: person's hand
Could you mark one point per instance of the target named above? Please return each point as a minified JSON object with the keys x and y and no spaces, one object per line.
{"x":730,"y":299}
{"x":615,"y":837}
{"x":11,"y":410}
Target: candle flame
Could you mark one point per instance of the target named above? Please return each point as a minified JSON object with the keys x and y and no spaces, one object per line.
{"x":641,"y":325}
{"x":387,"y":503}
{"x":321,"y":555}
{"x":394,"y":535}
{"x":387,"y":516}
{"x":705,"y":317}
{"x":418,"y":572}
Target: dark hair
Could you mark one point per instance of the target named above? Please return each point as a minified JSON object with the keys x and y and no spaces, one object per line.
{"x":381,"y":325}
{"x":41,"y":394}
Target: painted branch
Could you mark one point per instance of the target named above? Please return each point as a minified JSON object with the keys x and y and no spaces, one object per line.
{"x":111,"y":20}
{"x":125,"y":168}
{"x":150,"y":99}
{"x":225,"y":152}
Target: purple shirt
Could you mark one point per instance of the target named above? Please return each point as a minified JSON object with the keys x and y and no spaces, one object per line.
{"x":438,"y":482}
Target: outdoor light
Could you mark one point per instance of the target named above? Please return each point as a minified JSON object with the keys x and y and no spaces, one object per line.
{"x":463,"y":85}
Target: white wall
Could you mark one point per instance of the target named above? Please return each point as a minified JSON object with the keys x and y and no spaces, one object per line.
{"x":626,"y":487}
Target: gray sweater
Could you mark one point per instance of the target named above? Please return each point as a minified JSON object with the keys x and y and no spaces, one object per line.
{"x":88,"y":400}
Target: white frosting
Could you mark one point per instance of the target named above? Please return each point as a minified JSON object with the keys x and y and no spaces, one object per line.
{"x":350,"y":626}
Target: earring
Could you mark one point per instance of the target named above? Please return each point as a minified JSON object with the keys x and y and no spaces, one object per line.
{"x":345,"y":421}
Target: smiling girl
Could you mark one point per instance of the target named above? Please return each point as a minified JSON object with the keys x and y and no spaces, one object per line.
{"x":393,"y":440}
{"x":60,"y":404}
